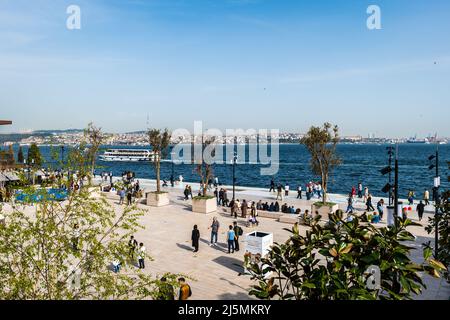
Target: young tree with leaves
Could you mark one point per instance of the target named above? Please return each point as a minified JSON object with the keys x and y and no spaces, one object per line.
{"x":20,"y":157}
{"x":43,"y":256}
{"x":34,"y":155}
{"x":159,"y":140}
{"x":321,"y":143}
{"x":94,"y":139}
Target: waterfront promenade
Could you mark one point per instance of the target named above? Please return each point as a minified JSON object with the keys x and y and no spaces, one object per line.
{"x":168,"y":230}
{"x":216,"y":273}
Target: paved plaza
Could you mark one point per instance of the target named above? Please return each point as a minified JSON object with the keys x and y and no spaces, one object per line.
{"x":215,"y":273}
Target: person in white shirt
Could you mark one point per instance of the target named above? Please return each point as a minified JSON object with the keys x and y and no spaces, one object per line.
{"x":286,"y":190}
{"x":141,"y":256}
{"x":299,"y":192}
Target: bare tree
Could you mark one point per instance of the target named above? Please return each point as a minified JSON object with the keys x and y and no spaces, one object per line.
{"x":203,"y":168}
{"x":159,"y":141}
{"x":321,"y":143}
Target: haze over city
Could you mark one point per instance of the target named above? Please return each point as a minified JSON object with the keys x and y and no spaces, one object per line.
{"x":230,"y":63}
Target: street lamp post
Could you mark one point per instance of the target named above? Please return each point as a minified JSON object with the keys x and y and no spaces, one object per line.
{"x":390,"y":153}
{"x":172,"y":177}
{"x":234,"y":174}
{"x":396,"y":185}
{"x":436,"y":198}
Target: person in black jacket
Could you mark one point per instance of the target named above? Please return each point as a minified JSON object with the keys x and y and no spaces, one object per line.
{"x":420,"y":210}
{"x":195,"y":238}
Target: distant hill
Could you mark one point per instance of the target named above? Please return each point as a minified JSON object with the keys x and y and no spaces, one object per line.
{"x":16,"y":137}
{"x":49,"y":132}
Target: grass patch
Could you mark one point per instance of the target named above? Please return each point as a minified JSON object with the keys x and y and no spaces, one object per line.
{"x":204,"y":197}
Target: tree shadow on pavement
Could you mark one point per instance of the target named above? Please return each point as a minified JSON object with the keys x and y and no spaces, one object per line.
{"x":230,"y":263}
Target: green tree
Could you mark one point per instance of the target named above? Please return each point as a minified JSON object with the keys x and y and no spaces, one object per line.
{"x":34,"y":155}
{"x":20,"y":156}
{"x":321,"y":143}
{"x":11,"y":159}
{"x":159,"y":141}
{"x":43,"y":256}
{"x":333,"y":262}
{"x":94,"y":138}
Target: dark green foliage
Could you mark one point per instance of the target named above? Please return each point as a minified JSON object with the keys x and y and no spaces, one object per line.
{"x":34,"y":155}
{"x":331,"y":262}
{"x":20,"y":156}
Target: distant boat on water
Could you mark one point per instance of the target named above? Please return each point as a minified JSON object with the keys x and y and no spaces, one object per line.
{"x":418,"y":141}
{"x":127,"y":155}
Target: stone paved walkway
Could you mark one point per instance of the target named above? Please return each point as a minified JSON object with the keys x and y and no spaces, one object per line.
{"x":217,"y":274}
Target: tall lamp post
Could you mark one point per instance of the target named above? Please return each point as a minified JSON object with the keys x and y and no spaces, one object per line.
{"x":390,"y":150}
{"x":172,"y":177}
{"x":396,"y":185}
{"x":437,"y":183}
{"x":234,"y":174}
{"x":388,"y":170}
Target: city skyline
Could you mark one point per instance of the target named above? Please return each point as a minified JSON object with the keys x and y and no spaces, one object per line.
{"x":230,"y":63}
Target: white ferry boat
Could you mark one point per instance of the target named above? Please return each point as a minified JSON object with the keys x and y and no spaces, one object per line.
{"x":127,"y":155}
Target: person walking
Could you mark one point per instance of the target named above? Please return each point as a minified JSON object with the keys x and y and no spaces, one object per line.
{"x":186,"y":193}
{"x":235,"y":208}
{"x":411,"y":197}
{"x":350,"y":208}
{"x":279,"y":192}
{"x":426,"y":197}
{"x":195,"y":238}
{"x":420,"y":210}
{"x":129,"y":198}
{"x":122,"y":196}
{"x":237,"y":233}
{"x":132,"y":245}
{"x":272,"y":186}
{"x":185,"y":289}
{"x":360,"y":190}
{"x":216,"y":194}
{"x":141,"y":256}
{"x":253,"y":210}
{"x":299,"y":192}
{"x":369,"y":203}
{"x":286,"y":190}
{"x":215,"y":225}
{"x":380,"y":208}
{"x":190,"y":191}
{"x":366,"y":194}
{"x":353,"y":193}
{"x":244,"y":208}
{"x":230,"y":239}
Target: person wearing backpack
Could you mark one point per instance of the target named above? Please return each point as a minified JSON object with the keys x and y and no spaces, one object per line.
{"x":185,"y":290}
{"x":237,"y":233}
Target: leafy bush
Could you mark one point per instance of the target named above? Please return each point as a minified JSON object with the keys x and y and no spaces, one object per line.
{"x":331,"y":263}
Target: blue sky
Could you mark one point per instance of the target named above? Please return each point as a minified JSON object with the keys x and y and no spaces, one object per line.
{"x":230,"y":63}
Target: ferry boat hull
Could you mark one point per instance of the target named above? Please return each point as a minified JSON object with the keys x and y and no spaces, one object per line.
{"x":127,"y":155}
